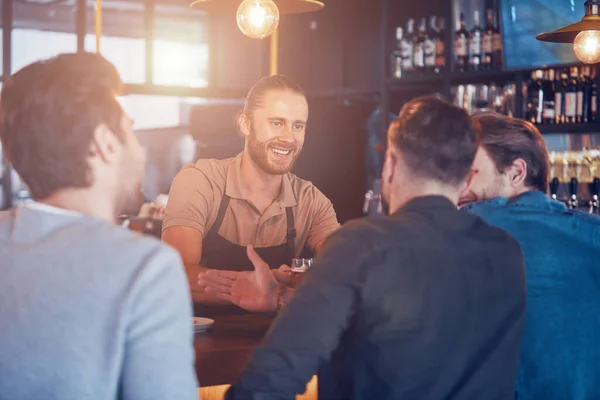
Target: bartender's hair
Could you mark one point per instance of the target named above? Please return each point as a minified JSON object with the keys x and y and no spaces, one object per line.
{"x":437,"y":140}
{"x":49,"y":111}
{"x":506,"y":139}
{"x":265,"y":85}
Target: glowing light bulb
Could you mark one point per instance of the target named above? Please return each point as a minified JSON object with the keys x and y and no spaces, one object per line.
{"x":587,"y":46}
{"x":257,"y":19}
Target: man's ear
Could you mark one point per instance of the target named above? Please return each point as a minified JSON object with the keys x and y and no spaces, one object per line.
{"x":389,"y":166}
{"x":244,"y":123}
{"x":467,"y":183}
{"x":105,"y":145}
{"x":517,"y":173}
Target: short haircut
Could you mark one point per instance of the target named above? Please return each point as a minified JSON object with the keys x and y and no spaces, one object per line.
{"x":437,"y":139}
{"x":49,"y":111}
{"x":506,"y":139}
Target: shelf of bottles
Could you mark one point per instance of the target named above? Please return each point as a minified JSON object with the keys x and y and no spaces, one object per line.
{"x":420,"y":51}
{"x":575,"y":179}
{"x":486,"y":97}
{"x":562,"y":100}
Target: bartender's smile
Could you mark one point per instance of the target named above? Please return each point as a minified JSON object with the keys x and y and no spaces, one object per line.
{"x":281,"y":152}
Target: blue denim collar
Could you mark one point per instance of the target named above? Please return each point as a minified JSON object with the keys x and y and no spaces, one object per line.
{"x":530,"y":199}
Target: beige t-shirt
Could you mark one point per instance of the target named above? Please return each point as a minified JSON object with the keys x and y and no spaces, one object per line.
{"x":196,"y":194}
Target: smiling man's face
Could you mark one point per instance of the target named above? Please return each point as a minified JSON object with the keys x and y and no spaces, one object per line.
{"x":276,"y":132}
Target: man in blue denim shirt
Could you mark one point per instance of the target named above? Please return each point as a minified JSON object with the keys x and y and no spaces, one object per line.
{"x":560,"y":355}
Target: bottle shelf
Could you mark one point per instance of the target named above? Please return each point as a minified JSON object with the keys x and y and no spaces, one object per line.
{"x":416,"y":81}
{"x":583,"y":128}
{"x":487,"y":76}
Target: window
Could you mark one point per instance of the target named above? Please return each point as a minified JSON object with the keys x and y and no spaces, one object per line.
{"x":180,"y":47}
{"x":127,"y":55}
{"x":152,"y":111}
{"x":40,"y":31}
{"x":122,"y":38}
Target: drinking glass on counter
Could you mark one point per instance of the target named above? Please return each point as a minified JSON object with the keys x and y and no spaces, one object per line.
{"x":299,"y":267}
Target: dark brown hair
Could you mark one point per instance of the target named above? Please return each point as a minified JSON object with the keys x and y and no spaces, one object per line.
{"x":266,"y":84}
{"x":49,"y":111}
{"x":507,"y":139}
{"x":437,"y":140}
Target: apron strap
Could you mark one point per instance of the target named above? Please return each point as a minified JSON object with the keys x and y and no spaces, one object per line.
{"x":291,"y":233}
{"x":221,"y":214}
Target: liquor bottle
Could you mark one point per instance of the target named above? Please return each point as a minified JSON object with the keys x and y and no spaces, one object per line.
{"x":486,"y":41}
{"x":461,"y":57}
{"x":579,"y":94}
{"x":594,"y":99}
{"x":475,"y":44}
{"x":407,"y":47}
{"x":535,"y":98}
{"x":419,"y":47}
{"x":586,"y":83}
{"x":430,"y":45}
{"x":497,"y":48}
{"x":571,"y":97}
{"x":397,"y":55}
{"x":440,"y":53}
{"x":560,"y":96}
{"x":548,"y":86}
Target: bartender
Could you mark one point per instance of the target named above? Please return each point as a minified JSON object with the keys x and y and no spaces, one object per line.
{"x":218,"y":207}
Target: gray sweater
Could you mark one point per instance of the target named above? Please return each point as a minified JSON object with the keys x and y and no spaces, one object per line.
{"x":90,"y":311}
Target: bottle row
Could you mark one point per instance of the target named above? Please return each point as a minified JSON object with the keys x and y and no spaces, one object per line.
{"x":421,"y":49}
{"x":562,"y":96}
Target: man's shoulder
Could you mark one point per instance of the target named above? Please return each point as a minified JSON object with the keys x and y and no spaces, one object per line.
{"x":530,"y":207}
{"x":304,"y":190}
{"x":126,"y":244}
{"x":210,"y":168}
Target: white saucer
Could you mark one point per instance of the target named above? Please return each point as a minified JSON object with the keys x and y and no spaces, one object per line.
{"x":202,"y":324}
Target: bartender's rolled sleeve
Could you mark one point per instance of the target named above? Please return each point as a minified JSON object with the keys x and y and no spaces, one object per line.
{"x":189,"y":200}
{"x":324,"y":221}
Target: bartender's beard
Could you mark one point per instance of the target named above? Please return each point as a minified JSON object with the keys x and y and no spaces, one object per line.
{"x":260,"y":154}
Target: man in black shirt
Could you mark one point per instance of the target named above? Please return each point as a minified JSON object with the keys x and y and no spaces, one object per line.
{"x":427,"y":303}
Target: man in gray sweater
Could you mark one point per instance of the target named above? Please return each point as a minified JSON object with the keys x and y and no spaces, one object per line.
{"x":88,"y":310}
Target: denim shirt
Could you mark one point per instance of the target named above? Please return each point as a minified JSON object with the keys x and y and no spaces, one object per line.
{"x":560,"y":355}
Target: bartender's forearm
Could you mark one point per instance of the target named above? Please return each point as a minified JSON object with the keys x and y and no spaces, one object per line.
{"x":198,"y":294}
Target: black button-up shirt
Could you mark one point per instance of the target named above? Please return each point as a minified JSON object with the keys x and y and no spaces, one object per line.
{"x":427,"y":303}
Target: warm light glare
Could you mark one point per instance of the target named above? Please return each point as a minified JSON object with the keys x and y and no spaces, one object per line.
{"x":257,"y":19}
{"x":587,"y":46}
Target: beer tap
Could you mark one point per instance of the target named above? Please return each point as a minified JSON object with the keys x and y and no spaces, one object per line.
{"x":574,"y":184}
{"x":554,"y":182}
{"x":594,"y":202}
{"x":371,"y":196}
{"x":573,"y":202}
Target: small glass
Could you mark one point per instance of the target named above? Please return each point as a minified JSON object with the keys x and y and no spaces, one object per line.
{"x":299,"y":267}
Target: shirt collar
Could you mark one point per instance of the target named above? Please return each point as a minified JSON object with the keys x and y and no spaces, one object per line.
{"x":51,"y":209}
{"x":531,"y":199}
{"x":538,"y":199}
{"x":233,"y":187}
{"x":422,"y":203}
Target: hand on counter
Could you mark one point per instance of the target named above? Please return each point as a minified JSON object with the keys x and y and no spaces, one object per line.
{"x":255,"y":291}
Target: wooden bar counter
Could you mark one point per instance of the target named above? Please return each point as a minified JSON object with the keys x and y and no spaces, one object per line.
{"x":223,"y":351}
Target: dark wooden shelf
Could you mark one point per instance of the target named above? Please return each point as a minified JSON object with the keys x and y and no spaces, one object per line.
{"x":416,"y":81}
{"x":591,"y":127}
{"x":471,"y":77}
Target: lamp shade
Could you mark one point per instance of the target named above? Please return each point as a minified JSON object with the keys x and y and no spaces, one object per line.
{"x":231,"y":6}
{"x":567,"y":34}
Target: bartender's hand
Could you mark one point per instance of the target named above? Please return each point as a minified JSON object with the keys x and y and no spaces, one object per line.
{"x":256,"y":291}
